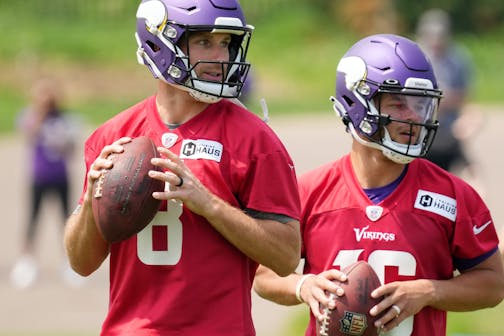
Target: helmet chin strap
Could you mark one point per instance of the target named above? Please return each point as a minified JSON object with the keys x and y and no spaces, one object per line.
{"x":196,"y":90}
{"x":396,"y":150}
{"x":196,"y":95}
{"x":389,"y":153}
{"x":203,"y":97}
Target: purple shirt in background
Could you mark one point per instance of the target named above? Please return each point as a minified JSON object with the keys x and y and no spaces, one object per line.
{"x":50,"y":148}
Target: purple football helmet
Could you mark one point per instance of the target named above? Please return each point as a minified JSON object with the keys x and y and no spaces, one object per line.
{"x":162,"y":23}
{"x":386,"y":63}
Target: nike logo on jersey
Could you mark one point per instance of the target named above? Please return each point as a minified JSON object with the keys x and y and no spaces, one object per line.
{"x":478,"y":229}
{"x":201,"y":149}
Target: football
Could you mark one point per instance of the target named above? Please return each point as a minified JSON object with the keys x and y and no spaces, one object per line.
{"x":351,"y":314}
{"x":122,"y":197}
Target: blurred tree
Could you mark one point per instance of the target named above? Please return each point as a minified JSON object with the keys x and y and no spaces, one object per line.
{"x":364,"y":16}
{"x":468,"y":16}
{"x":70,"y":10}
{"x":367,"y":16}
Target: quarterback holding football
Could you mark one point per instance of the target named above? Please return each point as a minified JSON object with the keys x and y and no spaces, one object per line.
{"x":383,"y":203}
{"x":229,"y":200}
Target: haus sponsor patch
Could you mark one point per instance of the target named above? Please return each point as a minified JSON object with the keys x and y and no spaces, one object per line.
{"x":439,"y":204}
{"x":201,"y":149}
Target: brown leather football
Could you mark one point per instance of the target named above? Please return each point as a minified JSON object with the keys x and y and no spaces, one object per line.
{"x":122,"y":197}
{"x":351,"y":315}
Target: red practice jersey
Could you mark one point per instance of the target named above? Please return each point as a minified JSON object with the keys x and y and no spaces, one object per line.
{"x":430,"y":225}
{"x":179,"y":276}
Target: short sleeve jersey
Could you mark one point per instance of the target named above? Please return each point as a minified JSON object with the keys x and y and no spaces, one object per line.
{"x":430,"y":225}
{"x":179,"y":276}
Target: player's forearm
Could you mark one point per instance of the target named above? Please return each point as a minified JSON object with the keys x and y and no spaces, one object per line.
{"x":84,"y":245}
{"x":270,"y":286}
{"x":476,"y":289}
{"x":270,"y":243}
{"x":282,"y":247}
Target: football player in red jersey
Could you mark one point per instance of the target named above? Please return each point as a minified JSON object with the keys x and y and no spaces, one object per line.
{"x":414,"y":223}
{"x":231,"y":200}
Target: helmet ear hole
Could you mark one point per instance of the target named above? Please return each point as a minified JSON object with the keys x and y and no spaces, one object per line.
{"x":348,"y":101}
{"x":154,"y":47}
{"x":234,"y":47}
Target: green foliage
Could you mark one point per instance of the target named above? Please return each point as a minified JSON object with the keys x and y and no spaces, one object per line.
{"x":10,"y":104}
{"x":295,"y":59}
{"x":298,"y":324}
{"x":294,"y":52}
{"x":487,"y":54}
{"x":85,"y":41}
{"x":99,"y":110}
{"x":481,"y":322}
{"x":468,"y":16}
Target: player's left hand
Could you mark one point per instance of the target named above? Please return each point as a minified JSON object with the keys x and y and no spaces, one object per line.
{"x":183,"y":185}
{"x":402,"y":299}
{"x":315,"y":288}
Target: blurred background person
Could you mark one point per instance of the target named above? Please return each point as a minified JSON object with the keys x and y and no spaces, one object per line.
{"x":248,"y":89}
{"x":50,"y":135}
{"x":454,"y":70}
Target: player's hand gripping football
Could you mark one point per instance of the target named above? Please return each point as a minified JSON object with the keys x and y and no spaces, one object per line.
{"x":402,"y":299}
{"x":314,"y":291}
{"x":184,"y":186}
{"x":103,"y":162}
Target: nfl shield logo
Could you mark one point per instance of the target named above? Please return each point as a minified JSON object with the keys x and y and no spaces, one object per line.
{"x":169,"y":139}
{"x":374,"y":212}
{"x":353,"y":323}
